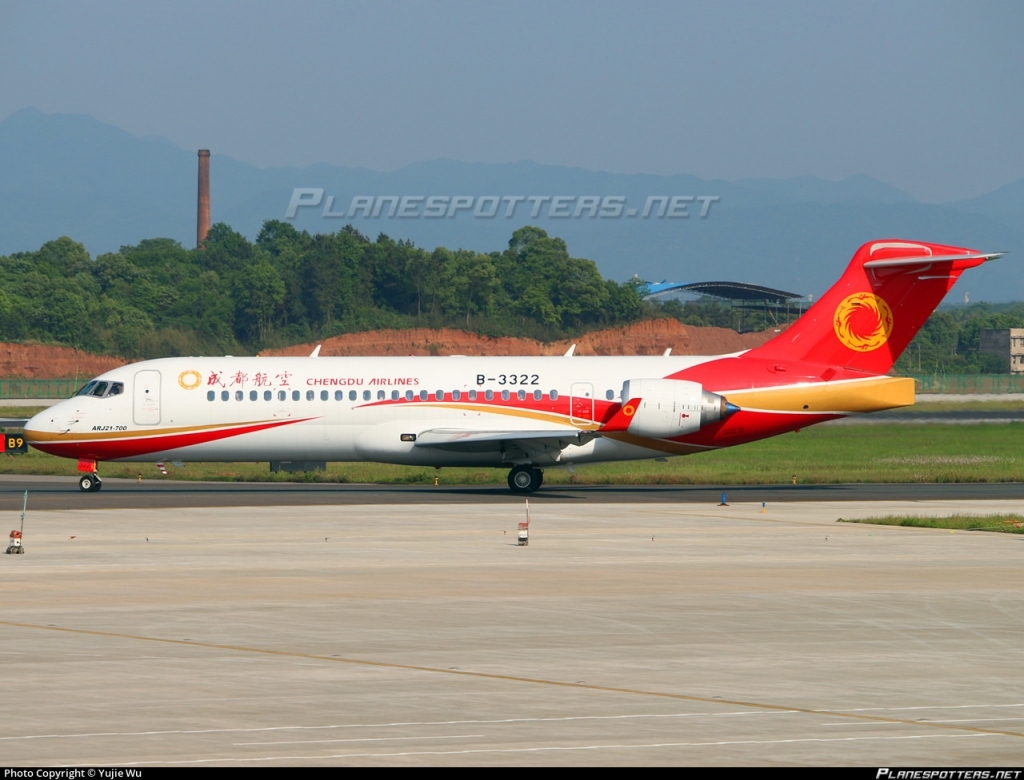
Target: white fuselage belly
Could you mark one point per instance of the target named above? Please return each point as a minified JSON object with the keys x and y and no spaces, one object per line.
{"x":165,"y":397}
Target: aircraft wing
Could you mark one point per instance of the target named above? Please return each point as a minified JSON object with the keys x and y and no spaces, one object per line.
{"x":548,"y":443}
{"x":461,"y":438}
{"x":515,"y":446}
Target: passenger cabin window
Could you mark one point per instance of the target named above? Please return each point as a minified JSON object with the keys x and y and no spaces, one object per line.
{"x":282,"y":395}
{"x":253,"y":395}
{"x":268,"y":395}
{"x":456,"y":395}
{"x":210,"y":395}
{"x":423,"y":395}
{"x":323,"y":395}
{"x":296,"y":395}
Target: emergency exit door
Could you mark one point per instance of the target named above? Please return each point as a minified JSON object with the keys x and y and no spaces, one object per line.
{"x":581,"y":403}
{"x":146,"y":405}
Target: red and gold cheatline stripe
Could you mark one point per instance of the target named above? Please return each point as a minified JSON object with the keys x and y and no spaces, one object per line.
{"x":133,"y":444}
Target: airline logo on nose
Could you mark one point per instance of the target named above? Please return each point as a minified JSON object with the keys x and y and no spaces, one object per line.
{"x":189,"y":380}
{"x":863,"y":322}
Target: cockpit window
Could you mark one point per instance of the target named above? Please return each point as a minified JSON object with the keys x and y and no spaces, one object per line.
{"x":101,"y":389}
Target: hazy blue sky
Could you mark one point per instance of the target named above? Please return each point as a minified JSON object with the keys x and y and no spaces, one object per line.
{"x":928,"y":96}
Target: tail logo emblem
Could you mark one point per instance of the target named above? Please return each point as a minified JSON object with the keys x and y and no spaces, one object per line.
{"x":863,"y":322}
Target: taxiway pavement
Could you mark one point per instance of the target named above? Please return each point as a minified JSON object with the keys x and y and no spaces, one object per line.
{"x":63,"y":493}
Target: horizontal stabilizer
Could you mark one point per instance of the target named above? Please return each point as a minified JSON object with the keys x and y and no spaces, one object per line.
{"x":928,"y":260}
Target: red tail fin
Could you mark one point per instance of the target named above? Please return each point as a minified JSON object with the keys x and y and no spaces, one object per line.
{"x":865,"y":321}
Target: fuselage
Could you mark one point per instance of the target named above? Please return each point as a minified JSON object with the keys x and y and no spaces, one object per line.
{"x":372,"y":409}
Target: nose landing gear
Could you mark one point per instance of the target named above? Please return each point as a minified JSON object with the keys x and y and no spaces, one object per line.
{"x":525,"y":479}
{"x":90,"y":483}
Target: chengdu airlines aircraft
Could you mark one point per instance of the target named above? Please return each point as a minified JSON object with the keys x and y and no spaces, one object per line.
{"x":522,"y":413}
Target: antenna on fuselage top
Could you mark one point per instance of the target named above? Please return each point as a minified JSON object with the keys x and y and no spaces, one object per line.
{"x":570,"y":352}
{"x":316,"y":352}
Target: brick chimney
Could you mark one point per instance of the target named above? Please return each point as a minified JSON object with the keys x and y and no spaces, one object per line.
{"x":203,"y":210}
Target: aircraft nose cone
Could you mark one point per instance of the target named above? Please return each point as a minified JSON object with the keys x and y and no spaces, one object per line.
{"x":31,"y":430}
{"x":38,"y":424}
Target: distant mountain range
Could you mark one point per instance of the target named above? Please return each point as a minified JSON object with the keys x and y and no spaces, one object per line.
{"x":72,"y":175}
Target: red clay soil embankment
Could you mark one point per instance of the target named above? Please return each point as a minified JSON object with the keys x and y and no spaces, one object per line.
{"x":39,"y":361}
{"x":651,"y":337}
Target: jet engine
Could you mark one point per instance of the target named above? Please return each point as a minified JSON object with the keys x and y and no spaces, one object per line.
{"x":673,"y":407}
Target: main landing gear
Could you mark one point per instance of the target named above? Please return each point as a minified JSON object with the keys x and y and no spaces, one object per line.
{"x":525,"y":479}
{"x":90,"y":483}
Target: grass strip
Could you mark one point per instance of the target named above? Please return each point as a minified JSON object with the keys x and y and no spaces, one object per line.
{"x":904,"y":453}
{"x":1007,"y":524}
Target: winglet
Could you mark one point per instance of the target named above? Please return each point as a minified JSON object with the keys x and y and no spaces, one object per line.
{"x":622,"y":418}
{"x":316,"y":352}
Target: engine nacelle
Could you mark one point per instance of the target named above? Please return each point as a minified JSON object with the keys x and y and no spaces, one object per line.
{"x":672,"y":407}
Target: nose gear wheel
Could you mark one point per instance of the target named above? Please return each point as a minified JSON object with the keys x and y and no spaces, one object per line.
{"x":90,"y":483}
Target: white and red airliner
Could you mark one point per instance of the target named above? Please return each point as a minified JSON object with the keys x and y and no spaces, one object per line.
{"x":522,"y":413}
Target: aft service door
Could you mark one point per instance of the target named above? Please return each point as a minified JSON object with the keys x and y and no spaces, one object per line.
{"x":146,"y":405}
{"x":581,"y":403}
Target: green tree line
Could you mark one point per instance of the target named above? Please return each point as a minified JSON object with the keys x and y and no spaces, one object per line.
{"x":948,"y":341}
{"x":157,"y":298}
